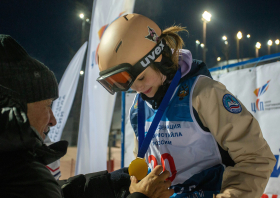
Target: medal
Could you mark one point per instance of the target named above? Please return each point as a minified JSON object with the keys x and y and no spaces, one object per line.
{"x":138,"y":168}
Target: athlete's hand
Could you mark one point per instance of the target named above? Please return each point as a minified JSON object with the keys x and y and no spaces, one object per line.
{"x":154,"y":185}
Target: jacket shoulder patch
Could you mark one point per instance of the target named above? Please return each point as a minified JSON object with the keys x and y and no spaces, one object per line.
{"x":231,"y":104}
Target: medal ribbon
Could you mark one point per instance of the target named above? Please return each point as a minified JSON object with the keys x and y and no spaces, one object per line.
{"x":144,"y":142}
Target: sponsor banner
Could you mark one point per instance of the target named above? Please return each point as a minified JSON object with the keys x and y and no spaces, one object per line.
{"x":129,"y":133}
{"x":67,"y":89}
{"x":258,"y":89}
{"x":97,"y":103}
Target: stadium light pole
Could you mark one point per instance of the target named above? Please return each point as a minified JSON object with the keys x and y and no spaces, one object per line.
{"x":202,"y":46}
{"x":277,"y":43}
{"x":206,"y":17}
{"x":258,"y":46}
{"x":248,"y":37}
{"x":84,"y":21}
{"x":82,"y":16}
{"x":226,"y":47}
{"x":269,"y":43}
{"x":239,"y":36}
{"x":197,"y":42}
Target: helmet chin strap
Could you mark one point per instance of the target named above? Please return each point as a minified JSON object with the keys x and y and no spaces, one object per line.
{"x":157,"y":98}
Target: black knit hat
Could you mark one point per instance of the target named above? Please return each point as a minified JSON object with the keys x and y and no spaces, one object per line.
{"x":24,"y":74}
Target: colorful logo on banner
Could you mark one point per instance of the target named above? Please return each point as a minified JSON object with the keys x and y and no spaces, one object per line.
{"x":100,"y":34}
{"x":259,"y":105}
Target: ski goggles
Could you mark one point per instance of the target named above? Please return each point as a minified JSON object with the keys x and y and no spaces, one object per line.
{"x":122,"y":76}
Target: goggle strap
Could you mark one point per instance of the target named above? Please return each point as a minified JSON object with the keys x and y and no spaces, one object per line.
{"x":150,"y":57}
{"x":120,"y":66}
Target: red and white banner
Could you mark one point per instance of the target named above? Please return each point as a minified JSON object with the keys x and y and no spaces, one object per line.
{"x":259,"y":90}
{"x":97,"y":103}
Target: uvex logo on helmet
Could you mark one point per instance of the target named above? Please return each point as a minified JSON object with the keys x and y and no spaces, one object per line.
{"x":153,"y":55}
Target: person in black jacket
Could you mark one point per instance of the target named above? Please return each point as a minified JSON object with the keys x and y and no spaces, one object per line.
{"x":27,"y":89}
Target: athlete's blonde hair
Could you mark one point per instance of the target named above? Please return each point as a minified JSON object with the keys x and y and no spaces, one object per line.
{"x":174,"y":41}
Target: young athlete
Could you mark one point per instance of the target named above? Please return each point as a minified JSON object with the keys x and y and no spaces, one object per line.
{"x":182,"y":119}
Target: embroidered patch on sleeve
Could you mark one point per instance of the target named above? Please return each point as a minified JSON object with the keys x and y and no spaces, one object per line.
{"x":231,"y":104}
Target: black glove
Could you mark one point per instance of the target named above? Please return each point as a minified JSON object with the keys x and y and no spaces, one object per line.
{"x":99,"y":185}
{"x":120,"y":181}
{"x":73,"y":187}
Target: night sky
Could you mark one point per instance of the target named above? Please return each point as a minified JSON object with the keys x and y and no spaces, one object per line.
{"x":50,"y":30}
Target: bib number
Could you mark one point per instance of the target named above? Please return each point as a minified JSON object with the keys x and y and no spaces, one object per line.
{"x":165,"y":156}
